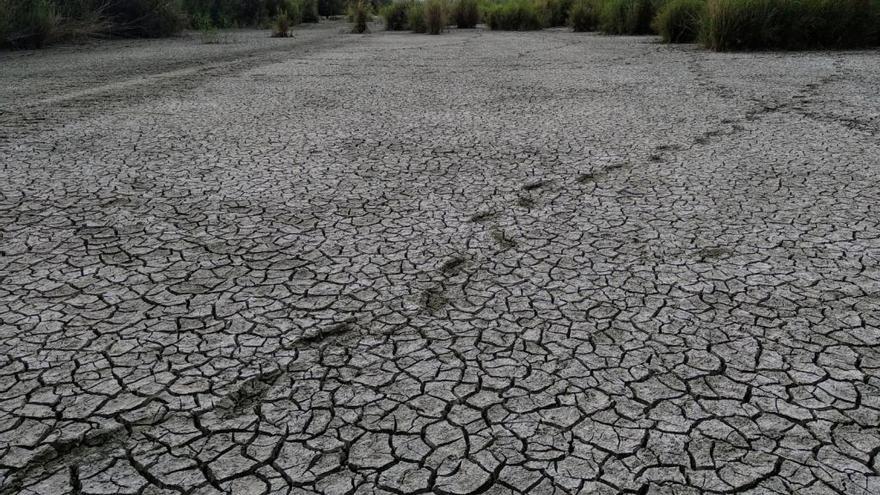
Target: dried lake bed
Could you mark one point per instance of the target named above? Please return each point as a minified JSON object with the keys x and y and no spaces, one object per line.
{"x":481,"y":262}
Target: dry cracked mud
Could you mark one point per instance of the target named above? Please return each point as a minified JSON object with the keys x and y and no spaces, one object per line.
{"x":472,"y":263}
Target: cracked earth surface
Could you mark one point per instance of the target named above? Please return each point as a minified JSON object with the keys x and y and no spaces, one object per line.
{"x":474,"y":263}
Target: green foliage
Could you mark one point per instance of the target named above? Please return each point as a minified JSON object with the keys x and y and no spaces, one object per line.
{"x":293,"y":10}
{"x":396,"y":15}
{"x":789,"y":24}
{"x":331,"y":7}
{"x":246,"y":12}
{"x":416,"y":17}
{"x":466,"y":13}
{"x":236,"y":13}
{"x":359,"y":13}
{"x":144,"y":18}
{"x":876,"y":9}
{"x":584,"y":15}
{"x":28,"y":24}
{"x":553,"y":13}
{"x":216,"y":13}
{"x":678,"y":21}
{"x":743,"y":24}
{"x":281,"y":27}
{"x":435,"y":16}
{"x":34,"y":23}
{"x":513,"y":15}
{"x":836,"y":24}
{"x":626,"y":16}
{"x":309,"y":10}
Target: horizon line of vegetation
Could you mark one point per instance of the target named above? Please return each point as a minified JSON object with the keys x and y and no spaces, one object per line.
{"x":722,"y":25}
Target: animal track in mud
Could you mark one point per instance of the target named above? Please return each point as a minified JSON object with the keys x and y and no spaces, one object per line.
{"x":668,"y":147}
{"x":483,"y":216}
{"x":319,"y":334}
{"x":68,"y":451}
{"x":502,"y":239}
{"x":453,"y":265}
{"x":589,"y":177}
{"x":585,"y":178}
{"x":525,"y":202}
{"x":434,"y":300}
{"x":532,"y":186}
{"x":715,"y":253}
{"x":249,"y":394}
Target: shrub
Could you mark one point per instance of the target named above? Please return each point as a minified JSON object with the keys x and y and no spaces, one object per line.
{"x":293,"y":10}
{"x":416,"y":17}
{"x":679,"y":20}
{"x":359,"y":12}
{"x":835,"y":24}
{"x":331,"y":7}
{"x":626,"y":16}
{"x":584,"y":15}
{"x":743,"y":24}
{"x":515,"y":15}
{"x":144,"y":18}
{"x":395,"y":15}
{"x":221,"y":13}
{"x":27,"y":24}
{"x":435,"y":16}
{"x":309,"y":11}
{"x":466,"y":14}
{"x":877,"y":21}
{"x":250,"y":12}
{"x":789,"y":24}
{"x":553,"y":12}
{"x":281,"y":28}
{"x":34,"y":23}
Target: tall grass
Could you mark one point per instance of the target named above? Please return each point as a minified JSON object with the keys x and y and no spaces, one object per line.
{"x":678,"y":21}
{"x":435,"y":16}
{"x":744,"y":24}
{"x":466,"y":14}
{"x":789,"y":24}
{"x":143,"y":18}
{"x":513,"y":15}
{"x":28,"y":24}
{"x":553,"y":13}
{"x":836,"y":24}
{"x":359,"y":13}
{"x":309,"y":11}
{"x":396,"y":15}
{"x":584,"y":15}
{"x":416,"y":17}
{"x":240,"y":13}
{"x":331,"y":7}
{"x":281,"y":27}
{"x":626,"y":16}
{"x":35,"y":23}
